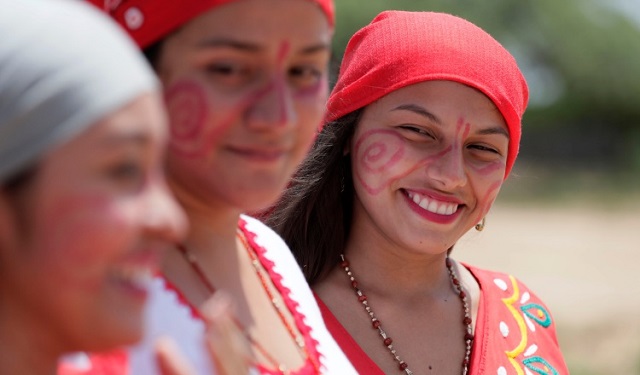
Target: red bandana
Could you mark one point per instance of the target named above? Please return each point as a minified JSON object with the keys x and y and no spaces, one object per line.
{"x":148,"y":21}
{"x":398,"y":49}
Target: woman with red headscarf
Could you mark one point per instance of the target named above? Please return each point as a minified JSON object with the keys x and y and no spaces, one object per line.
{"x":245,"y":84}
{"x":421,"y":131}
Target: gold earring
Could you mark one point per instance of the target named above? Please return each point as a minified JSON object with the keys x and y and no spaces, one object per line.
{"x":480,"y":225}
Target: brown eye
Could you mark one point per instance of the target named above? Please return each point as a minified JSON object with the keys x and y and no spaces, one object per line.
{"x":228,"y":74}
{"x":222,"y":69}
{"x":485,"y":148}
{"x":417,"y":131}
{"x":127,"y":173}
{"x":305,"y":76}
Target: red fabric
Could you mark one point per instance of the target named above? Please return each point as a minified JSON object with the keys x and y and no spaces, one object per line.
{"x":400,"y":48}
{"x":111,"y":363}
{"x":148,"y":21}
{"x":526,"y":345}
{"x":358,"y":358}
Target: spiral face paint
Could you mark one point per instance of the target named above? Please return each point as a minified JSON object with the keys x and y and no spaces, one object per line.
{"x":187,"y":106}
{"x":429,"y":154}
{"x":244,"y":112}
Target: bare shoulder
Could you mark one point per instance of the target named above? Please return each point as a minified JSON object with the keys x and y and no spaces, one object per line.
{"x":334,"y":290}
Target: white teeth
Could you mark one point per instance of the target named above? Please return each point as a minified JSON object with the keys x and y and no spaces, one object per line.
{"x":416,"y":199}
{"x":135,"y":275}
{"x":432,"y":205}
{"x":424,"y":203}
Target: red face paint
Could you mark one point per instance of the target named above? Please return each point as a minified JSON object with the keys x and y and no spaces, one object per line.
{"x":376,"y":151}
{"x":380,"y":153}
{"x":280,"y":84}
{"x":187,"y":106}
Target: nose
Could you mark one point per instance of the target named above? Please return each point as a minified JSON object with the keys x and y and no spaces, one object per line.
{"x":271,"y":106}
{"x":163,"y":217}
{"x":447,"y":169}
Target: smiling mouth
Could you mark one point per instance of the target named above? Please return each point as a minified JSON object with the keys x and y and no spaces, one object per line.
{"x":138,"y":277}
{"x":259,"y":155}
{"x":433,"y":205}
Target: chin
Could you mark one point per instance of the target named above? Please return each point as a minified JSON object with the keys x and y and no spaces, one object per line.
{"x":260,"y":206}
{"x":260,"y":196}
{"x":112,"y":334}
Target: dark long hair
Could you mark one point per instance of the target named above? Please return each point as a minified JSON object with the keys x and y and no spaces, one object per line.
{"x":313,"y":216}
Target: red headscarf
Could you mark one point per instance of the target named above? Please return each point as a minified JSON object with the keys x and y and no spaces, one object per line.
{"x":148,"y":21}
{"x":398,"y":49}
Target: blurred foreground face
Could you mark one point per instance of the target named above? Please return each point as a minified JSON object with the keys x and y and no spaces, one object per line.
{"x":87,"y":232}
{"x":428,"y":161}
{"x":245,"y":96}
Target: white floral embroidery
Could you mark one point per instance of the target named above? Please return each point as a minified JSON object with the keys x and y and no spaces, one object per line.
{"x":500,"y":284}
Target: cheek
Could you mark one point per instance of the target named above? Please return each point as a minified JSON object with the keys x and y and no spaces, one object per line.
{"x":378,"y":159}
{"x":488,"y":178}
{"x":488,"y":191}
{"x":197,"y":118}
{"x":187,"y":106}
{"x":85,"y":236}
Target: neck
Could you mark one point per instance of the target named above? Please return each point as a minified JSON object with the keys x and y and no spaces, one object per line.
{"x":406,"y":272}
{"x":24,"y":343}
{"x":212,"y":241}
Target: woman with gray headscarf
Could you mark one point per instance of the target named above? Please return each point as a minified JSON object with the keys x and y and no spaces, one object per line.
{"x":84,"y":207}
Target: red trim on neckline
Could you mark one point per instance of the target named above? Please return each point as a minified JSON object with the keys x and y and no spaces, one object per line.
{"x":312,"y":344}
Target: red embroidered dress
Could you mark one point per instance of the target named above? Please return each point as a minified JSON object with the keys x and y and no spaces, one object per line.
{"x":168,"y":313}
{"x":514,"y":334}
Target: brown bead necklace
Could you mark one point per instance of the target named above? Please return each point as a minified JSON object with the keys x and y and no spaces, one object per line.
{"x":195,"y":265}
{"x":388,"y":342}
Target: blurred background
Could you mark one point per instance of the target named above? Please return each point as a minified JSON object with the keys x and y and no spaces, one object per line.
{"x":567,"y":222}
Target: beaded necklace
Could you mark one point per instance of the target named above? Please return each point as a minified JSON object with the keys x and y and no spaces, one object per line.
{"x":388,"y":342}
{"x":195,"y":265}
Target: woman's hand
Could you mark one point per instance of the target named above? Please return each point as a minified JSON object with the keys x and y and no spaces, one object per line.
{"x":227,"y":344}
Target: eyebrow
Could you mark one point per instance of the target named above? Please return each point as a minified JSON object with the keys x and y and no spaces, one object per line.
{"x":123,"y":139}
{"x":420,"y":111}
{"x":253,"y":47}
{"x":425,"y":113}
{"x":494,"y":130}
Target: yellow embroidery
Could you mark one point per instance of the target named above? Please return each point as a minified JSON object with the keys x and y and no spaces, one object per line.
{"x":509,"y":301}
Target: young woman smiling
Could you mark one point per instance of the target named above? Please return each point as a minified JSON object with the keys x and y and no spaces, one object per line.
{"x":85,"y":211}
{"x":422,"y":129}
{"x":245,"y":84}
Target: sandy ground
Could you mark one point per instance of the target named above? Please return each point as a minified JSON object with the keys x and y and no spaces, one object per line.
{"x":584,"y":262}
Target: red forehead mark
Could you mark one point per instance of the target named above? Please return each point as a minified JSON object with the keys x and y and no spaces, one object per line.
{"x":283,"y":51}
{"x":464,"y":126}
{"x":276,"y":85}
{"x":280,"y":84}
{"x":462,"y":131}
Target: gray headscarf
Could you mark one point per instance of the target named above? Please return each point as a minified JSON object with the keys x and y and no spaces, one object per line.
{"x":63,"y":66}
